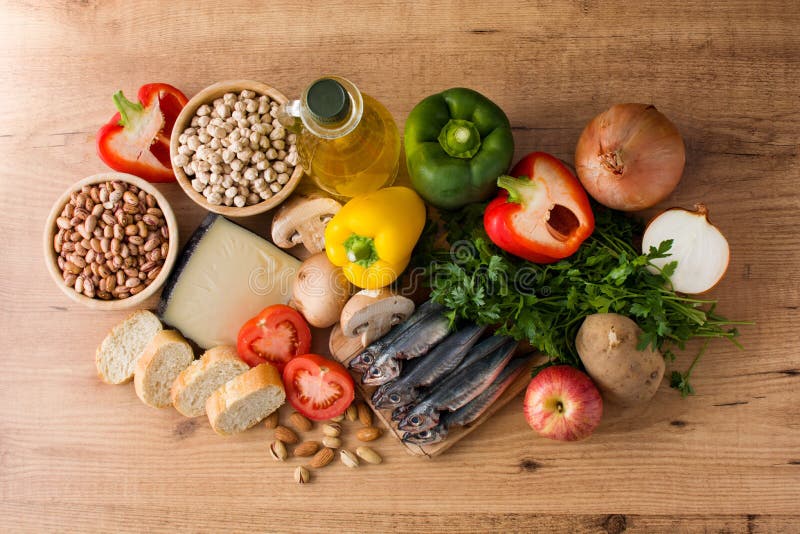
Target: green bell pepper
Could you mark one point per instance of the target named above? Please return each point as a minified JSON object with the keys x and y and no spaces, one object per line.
{"x":457,"y":143}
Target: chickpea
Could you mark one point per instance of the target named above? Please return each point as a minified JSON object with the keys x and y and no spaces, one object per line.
{"x":235,"y":150}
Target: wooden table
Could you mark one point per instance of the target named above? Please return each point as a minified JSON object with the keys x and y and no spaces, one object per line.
{"x":76,"y":454}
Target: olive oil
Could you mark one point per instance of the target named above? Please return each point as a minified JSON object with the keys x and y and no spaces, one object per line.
{"x":348,"y":142}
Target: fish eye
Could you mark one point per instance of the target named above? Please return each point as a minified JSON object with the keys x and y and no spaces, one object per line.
{"x":367,"y":358}
{"x":425,"y":434}
{"x":415,"y":420}
{"x":394,"y":397}
{"x":375,"y":372}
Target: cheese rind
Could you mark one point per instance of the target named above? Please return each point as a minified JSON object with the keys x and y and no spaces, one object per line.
{"x":224,"y":276}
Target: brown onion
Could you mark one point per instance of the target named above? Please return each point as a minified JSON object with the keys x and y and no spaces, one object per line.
{"x":630,"y":157}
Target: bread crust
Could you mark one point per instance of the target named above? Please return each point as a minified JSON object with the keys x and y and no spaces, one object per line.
{"x":200,"y":367}
{"x":100,"y":353}
{"x":147,"y":359}
{"x":259,"y":377}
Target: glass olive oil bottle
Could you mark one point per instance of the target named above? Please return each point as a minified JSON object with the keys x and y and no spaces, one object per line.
{"x":347,"y":141}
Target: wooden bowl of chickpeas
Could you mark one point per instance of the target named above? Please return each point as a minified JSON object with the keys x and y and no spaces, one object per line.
{"x":111,"y":241}
{"x":230,"y":153}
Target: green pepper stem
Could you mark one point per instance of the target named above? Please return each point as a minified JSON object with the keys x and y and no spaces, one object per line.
{"x":515,"y":187}
{"x":126,"y":108}
{"x":460,"y":138}
{"x":361,"y":250}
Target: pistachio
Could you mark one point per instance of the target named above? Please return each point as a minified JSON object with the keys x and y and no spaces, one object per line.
{"x":348,"y":458}
{"x":300,"y":422}
{"x":333,"y":430}
{"x":278,"y":451}
{"x":368,"y":455}
{"x":301,"y":475}
{"x":331,"y":442}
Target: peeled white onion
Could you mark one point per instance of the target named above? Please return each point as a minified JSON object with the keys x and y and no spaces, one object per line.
{"x":698,"y":246}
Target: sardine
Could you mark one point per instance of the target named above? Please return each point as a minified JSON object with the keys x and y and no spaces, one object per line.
{"x":438,"y":363}
{"x":367,"y":357}
{"x":477,"y":406}
{"x":481,"y":350}
{"x":426,"y":437}
{"x":457,"y":390}
{"x":412,"y":343}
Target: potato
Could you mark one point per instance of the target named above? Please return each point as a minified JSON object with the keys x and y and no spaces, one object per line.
{"x":606,"y":343}
{"x":320,"y":291}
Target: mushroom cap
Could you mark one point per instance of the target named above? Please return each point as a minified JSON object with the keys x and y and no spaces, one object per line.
{"x":302,"y":217}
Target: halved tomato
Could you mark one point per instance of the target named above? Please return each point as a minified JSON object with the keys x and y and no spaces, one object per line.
{"x":317,"y":387}
{"x":276,"y":335}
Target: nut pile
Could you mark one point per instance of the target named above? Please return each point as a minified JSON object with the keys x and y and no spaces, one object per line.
{"x":112,"y":240}
{"x":322,"y":454}
{"x":236,"y":152}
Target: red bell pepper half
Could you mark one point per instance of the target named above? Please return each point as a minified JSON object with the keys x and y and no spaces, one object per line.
{"x":543,"y":213}
{"x":136,"y":140}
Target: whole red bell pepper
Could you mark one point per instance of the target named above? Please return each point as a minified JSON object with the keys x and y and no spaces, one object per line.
{"x":136,"y":139}
{"x":542,"y":214}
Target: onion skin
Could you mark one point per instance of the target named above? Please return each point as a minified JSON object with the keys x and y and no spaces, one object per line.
{"x":630,"y":157}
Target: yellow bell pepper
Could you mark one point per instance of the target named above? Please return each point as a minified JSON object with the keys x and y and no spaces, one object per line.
{"x":372,"y":236}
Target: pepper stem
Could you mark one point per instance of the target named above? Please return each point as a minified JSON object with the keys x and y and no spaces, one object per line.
{"x":361,"y":250}
{"x":126,"y":108}
{"x":460,"y":138}
{"x":515,"y":187}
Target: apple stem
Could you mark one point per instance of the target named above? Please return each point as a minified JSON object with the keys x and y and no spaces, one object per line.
{"x":560,"y":407}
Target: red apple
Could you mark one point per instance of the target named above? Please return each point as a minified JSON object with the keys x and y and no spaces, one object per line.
{"x":563,"y":403}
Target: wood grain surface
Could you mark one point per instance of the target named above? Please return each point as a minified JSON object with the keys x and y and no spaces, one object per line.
{"x":78,"y":455}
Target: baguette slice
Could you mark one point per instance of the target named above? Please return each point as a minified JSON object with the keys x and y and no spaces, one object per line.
{"x":245,"y":400}
{"x":117,"y":355}
{"x":196,"y":383}
{"x":163,"y":359}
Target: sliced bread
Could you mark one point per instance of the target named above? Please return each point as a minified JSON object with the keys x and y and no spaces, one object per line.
{"x":245,"y":400}
{"x":117,"y":355}
{"x":196,"y":383}
{"x":162,"y":361}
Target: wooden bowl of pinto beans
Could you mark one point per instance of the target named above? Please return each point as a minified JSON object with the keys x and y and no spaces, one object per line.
{"x":110,"y":241}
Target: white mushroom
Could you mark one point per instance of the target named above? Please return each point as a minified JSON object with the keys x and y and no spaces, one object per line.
{"x":370,"y":314}
{"x":302,"y":220}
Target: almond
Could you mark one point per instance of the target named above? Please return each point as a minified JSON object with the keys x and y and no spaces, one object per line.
{"x":300,"y":422}
{"x":368,"y":433}
{"x":272,"y":420}
{"x":286,"y":435}
{"x":351,"y":413}
{"x":364,"y":414}
{"x":307,"y":448}
{"x":322,"y":458}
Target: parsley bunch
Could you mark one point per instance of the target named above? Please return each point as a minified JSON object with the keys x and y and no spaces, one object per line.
{"x":546,"y":304}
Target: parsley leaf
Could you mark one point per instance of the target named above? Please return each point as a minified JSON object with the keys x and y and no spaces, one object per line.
{"x":546,"y":304}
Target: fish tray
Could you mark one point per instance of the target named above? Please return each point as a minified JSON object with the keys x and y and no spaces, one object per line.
{"x":344,"y":349}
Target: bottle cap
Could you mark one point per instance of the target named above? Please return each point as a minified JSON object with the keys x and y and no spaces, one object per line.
{"x":328,"y":101}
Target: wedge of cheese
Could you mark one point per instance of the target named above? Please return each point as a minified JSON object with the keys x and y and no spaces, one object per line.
{"x":224,"y":276}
